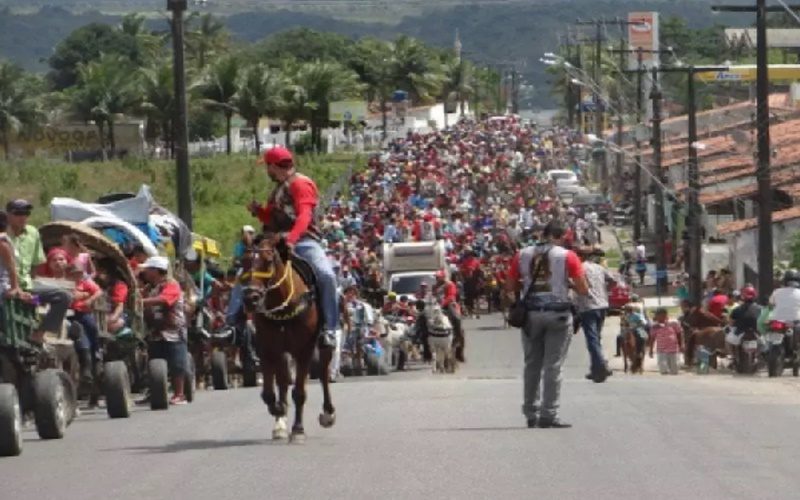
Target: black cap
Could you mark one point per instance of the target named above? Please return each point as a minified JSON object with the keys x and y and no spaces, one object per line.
{"x":19,"y":207}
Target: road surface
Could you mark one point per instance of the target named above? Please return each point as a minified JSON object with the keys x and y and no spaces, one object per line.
{"x":416,"y":435}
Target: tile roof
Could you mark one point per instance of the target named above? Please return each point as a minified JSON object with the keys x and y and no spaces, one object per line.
{"x":781,"y":178}
{"x":745,"y":224}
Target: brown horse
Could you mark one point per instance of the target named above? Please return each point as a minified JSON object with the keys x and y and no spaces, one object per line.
{"x":633,"y":351}
{"x":287,"y":322}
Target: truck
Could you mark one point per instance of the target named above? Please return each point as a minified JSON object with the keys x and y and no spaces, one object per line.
{"x":407,"y":265}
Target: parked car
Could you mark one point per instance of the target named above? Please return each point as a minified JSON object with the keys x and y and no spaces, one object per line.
{"x":619,"y":294}
{"x":562,"y":175}
{"x":592,"y":202}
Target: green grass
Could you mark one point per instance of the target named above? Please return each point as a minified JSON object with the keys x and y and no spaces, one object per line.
{"x":221,"y":186}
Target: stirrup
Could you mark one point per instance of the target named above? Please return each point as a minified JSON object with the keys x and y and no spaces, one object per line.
{"x":327,"y":339}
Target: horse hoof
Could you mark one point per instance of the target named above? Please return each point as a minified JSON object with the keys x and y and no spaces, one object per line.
{"x":326,"y":420}
{"x":279,"y":435}
{"x":297,"y":437}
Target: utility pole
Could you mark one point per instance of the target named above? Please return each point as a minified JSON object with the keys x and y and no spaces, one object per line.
{"x":765,"y":250}
{"x":180,"y":124}
{"x":637,"y":186}
{"x":661,"y":263}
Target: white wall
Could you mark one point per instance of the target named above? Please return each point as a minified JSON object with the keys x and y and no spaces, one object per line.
{"x":744,"y":246}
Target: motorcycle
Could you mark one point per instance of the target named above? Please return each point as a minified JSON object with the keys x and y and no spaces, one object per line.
{"x":745,"y":349}
{"x":781,"y":348}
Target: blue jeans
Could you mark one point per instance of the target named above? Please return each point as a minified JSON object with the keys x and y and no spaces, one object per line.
{"x":235,"y":303}
{"x":313,"y":253}
{"x":592,"y":324}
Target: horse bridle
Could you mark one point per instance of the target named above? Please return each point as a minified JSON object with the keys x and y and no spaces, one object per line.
{"x":284,"y":311}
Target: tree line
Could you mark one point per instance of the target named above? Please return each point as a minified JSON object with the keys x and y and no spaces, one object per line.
{"x":99,"y":73}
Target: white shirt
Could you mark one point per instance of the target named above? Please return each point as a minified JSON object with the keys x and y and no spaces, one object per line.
{"x":641,"y":253}
{"x":786,"y":303}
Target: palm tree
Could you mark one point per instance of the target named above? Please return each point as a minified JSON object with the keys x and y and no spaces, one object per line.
{"x":150,"y":44}
{"x":374,"y":62}
{"x":218,"y":91}
{"x":416,"y":70}
{"x":259,"y":95}
{"x":456,"y":83}
{"x":206,"y":39}
{"x":104,"y":90}
{"x":156,"y":84}
{"x":19,"y":105}
{"x":294,"y":106}
{"x":324,"y":82}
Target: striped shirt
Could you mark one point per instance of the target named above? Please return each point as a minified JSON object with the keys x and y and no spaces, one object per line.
{"x":665,"y":336}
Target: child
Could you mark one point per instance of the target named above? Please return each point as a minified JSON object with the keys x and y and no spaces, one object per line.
{"x":667,"y":336}
{"x":85,"y":294}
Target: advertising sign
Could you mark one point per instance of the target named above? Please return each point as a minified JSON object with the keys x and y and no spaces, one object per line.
{"x":747,"y":73}
{"x":643,"y":34}
{"x":347,"y":111}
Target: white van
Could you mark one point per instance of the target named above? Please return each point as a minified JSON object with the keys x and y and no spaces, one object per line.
{"x":562,"y":177}
{"x":407,"y":265}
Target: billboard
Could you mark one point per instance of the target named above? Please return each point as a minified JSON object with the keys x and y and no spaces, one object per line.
{"x":747,"y":73}
{"x":643,"y":34}
{"x":347,"y":111}
{"x":57,"y":140}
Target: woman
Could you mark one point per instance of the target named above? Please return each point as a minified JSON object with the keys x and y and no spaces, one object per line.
{"x":116,"y":291}
{"x":78,"y":255}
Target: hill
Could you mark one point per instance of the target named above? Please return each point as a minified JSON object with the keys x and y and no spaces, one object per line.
{"x":491,"y":32}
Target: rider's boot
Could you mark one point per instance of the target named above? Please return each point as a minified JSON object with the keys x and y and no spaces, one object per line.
{"x":327,"y":339}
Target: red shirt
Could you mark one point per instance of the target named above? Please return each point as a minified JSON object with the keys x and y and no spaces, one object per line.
{"x":87,"y":286}
{"x":450,"y":293}
{"x":717,"y":304}
{"x":118,"y":293}
{"x":666,"y":336}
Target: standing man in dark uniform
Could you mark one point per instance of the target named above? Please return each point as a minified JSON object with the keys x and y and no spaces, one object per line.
{"x":290,"y":212}
{"x":551,"y":270}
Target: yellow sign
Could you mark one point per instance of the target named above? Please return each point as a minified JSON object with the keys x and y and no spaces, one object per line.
{"x":747,"y":73}
{"x":347,"y":111}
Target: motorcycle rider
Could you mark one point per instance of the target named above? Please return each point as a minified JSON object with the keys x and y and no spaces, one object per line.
{"x":785,"y":300}
{"x":290,"y":211}
{"x":745,"y":316}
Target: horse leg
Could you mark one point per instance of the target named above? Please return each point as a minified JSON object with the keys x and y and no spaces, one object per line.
{"x":328,"y":416}
{"x":268,"y":366}
{"x":281,"y":429}
{"x":625,"y":355}
{"x":299,"y":398}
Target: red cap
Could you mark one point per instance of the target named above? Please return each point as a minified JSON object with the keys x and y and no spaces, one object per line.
{"x":427,"y":217}
{"x":440,"y":274}
{"x":748,"y":293}
{"x":277,"y":156}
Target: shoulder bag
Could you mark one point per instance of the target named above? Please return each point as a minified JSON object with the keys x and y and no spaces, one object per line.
{"x":518,"y":312}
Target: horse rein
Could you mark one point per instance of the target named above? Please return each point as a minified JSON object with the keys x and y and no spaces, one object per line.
{"x":272,"y":313}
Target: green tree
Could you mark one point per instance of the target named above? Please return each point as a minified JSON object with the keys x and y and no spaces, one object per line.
{"x":416,"y":70}
{"x":259,"y":95}
{"x":456,"y":83}
{"x":373,"y":60}
{"x":19,"y":103}
{"x":324,"y":82}
{"x":104,"y":90}
{"x":150,"y":46}
{"x":156,"y":85}
{"x":206,"y":37}
{"x":87,"y":44}
{"x":294,"y":101}
{"x":218,"y":91}
{"x":303,"y":45}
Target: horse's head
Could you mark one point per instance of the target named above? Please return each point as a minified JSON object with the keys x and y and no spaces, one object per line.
{"x":266,"y":262}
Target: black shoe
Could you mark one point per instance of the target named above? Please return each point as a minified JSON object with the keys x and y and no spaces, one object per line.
{"x":552,"y":424}
{"x":327,"y":340}
{"x":531,"y":423}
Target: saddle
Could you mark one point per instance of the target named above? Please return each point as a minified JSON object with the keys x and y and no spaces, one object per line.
{"x":308,"y":275}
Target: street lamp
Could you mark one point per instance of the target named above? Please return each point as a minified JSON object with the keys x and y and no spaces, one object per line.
{"x":765,"y":250}
{"x":180,"y":123}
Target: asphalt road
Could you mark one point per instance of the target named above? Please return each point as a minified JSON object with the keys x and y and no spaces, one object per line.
{"x":415,"y":435}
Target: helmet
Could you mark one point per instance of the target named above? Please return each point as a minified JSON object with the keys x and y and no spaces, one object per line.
{"x":791,"y":276}
{"x":277,"y":156}
{"x":748,"y":293}
{"x":391,"y":296}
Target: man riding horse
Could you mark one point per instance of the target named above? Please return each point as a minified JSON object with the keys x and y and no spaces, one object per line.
{"x":289,"y":211}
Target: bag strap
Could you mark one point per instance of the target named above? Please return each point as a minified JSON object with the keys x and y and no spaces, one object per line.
{"x":535,"y":272}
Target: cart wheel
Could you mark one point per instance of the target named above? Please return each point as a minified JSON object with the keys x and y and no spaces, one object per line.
{"x":117,"y":389}
{"x":10,"y":422}
{"x":190,"y":384}
{"x":158,"y":371}
{"x":219,"y":370}
{"x":51,"y":409}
